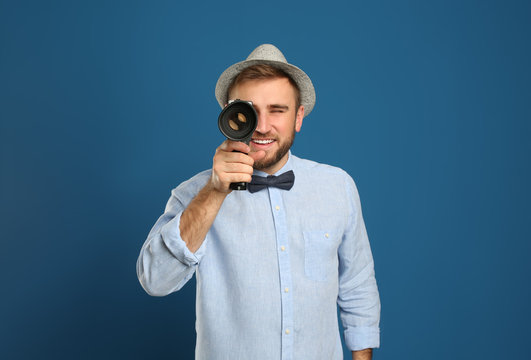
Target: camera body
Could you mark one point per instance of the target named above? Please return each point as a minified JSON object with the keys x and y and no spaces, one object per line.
{"x":237,"y":121}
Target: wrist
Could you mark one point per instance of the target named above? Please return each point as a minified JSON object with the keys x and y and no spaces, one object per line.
{"x":213,"y":192}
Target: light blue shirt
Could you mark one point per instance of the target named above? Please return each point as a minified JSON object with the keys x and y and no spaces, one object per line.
{"x":273,"y":268}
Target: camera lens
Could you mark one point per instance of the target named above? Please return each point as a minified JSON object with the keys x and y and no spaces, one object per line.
{"x":238,"y":121}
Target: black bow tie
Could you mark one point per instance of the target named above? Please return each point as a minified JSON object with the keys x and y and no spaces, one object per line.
{"x":283,"y":181}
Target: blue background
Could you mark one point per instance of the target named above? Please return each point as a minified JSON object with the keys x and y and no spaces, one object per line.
{"x":106,"y":106}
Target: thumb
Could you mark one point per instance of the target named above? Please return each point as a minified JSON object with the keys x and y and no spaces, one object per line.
{"x":257,"y":155}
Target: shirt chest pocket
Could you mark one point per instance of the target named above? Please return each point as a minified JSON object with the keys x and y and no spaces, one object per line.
{"x":320,"y":254}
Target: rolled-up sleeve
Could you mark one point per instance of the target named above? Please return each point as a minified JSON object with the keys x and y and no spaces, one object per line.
{"x":358,"y":299}
{"x":165,"y":263}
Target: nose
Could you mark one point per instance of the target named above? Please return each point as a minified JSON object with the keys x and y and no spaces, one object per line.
{"x":263,"y":126}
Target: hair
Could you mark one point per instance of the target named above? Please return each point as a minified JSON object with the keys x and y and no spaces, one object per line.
{"x":265,"y":72}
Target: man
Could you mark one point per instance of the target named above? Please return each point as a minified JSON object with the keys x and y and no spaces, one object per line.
{"x":272,"y":263}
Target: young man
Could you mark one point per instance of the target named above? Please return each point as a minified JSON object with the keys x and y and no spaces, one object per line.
{"x":272,"y":263}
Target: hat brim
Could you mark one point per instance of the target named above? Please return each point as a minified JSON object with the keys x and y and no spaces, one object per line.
{"x":307,"y":91}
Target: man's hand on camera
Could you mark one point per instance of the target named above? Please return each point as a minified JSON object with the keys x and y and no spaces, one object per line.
{"x":233,"y":162}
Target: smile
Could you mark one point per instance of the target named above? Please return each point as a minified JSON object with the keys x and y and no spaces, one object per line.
{"x":263,"y":141}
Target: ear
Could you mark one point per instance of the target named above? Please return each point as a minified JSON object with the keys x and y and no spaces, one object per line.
{"x":298,"y":118}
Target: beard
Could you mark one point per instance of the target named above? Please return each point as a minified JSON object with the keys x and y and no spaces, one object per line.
{"x":271,"y":159}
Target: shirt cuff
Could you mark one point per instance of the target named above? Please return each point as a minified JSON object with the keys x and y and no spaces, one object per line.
{"x":171,"y":236}
{"x":360,"y":338}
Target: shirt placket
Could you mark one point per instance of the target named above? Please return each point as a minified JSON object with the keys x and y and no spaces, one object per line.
{"x":283,"y":251}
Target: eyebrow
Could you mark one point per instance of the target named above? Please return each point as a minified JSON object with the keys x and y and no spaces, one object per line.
{"x":277,"y":107}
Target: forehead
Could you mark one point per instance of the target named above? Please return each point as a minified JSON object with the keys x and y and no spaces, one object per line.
{"x":265,"y":91}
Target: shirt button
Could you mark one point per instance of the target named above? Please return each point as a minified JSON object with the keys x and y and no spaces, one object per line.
{"x":326,"y":235}
{"x":286,"y":289}
{"x":277,"y":208}
{"x":282,"y":248}
{"x":287,"y":331}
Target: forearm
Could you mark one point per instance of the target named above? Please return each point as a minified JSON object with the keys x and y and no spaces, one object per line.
{"x":168,"y":258}
{"x":365,"y":354}
{"x":198,"y":217}
{"x":174,"y":248}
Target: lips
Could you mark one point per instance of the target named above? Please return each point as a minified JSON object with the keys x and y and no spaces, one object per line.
{"x":262,"y":144}
{"x":263,"y":141}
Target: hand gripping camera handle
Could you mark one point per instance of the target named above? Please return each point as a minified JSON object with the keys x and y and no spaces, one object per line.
{"x":237,"y":122}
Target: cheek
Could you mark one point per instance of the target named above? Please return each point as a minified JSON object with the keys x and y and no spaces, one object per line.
{"x":285,"y":132}
{"x":287,"y":125}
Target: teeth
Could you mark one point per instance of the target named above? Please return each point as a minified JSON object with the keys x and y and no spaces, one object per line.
{"x":263,"y":141}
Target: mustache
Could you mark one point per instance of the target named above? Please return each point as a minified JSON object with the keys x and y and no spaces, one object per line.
{"x":264,"y":137}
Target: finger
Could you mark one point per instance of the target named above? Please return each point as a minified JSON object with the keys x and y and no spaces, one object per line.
{"x":233,"y":157}
{"x":223,"y":145}
{"x":221,"y":168}
{"x":236,"y":146}
{"x":228,"y":178}
{"x":237,"y":168}
{"x":258,"y":155}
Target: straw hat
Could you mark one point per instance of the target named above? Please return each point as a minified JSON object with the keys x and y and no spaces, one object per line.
{"x":268,"y":54}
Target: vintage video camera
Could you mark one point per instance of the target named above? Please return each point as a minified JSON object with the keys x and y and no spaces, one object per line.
{"x":237,"y":121}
